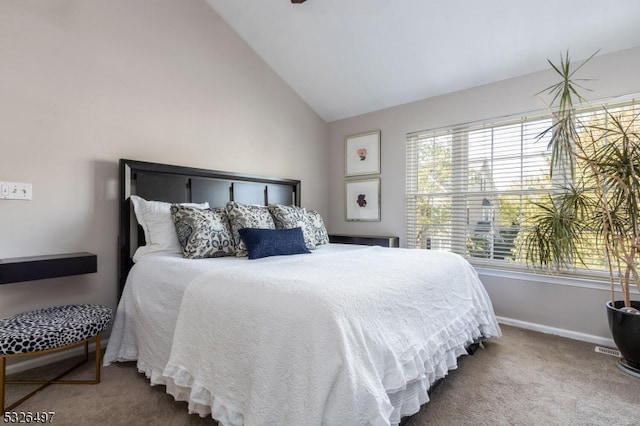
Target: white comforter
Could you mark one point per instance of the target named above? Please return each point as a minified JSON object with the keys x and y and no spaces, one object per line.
{"x":320,"y":339}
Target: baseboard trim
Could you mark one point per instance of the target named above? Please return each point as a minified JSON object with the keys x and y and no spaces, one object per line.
{"x":596,"y":340}
{"x":42,"y":360}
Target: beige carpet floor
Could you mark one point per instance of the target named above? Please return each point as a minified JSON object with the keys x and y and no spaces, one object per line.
{"x":524,"y":378}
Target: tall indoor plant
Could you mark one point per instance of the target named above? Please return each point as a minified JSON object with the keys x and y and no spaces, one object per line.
{"x":595,"y":175}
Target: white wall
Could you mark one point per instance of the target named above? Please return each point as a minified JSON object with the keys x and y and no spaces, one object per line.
{"x":84,"y":83}
{"x":573,"y":310}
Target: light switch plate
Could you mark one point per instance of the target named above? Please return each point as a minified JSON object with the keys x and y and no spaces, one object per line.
{"x":16,"y":191}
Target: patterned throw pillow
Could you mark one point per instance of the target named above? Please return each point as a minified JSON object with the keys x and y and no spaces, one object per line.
{"x":203,"y":232}
{"x":247,"y":216}
{"x":288,"y":217}
{"x":319,"y":231}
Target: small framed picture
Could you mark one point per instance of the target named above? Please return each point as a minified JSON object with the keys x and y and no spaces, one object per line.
{"x":362,"y":200}
{"x":362,"y":154}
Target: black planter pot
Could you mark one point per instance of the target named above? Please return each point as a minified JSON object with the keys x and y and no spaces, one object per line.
{"x":625,"y":329}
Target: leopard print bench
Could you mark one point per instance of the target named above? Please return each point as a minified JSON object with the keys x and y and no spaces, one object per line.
{"x":51,"y":329}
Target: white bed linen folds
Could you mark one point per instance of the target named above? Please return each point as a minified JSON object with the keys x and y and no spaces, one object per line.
{"x":323,"y":339}
{"x":148,"y":310}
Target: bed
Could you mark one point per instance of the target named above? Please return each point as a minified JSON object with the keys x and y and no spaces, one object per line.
{"x":340,"y":334}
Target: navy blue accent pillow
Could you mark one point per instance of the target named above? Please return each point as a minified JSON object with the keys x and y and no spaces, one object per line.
{"x":273,"y":242}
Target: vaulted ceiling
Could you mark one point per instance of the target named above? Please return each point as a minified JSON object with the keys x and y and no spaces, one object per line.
{"x":349,"y":57}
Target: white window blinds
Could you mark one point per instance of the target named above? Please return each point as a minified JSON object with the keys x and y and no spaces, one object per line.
{"x":471,"y":189}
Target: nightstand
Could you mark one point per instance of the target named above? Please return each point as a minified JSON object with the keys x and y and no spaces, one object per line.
{"x":367,"y":240}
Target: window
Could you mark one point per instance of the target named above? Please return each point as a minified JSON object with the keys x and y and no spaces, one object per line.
{"x":471,"y":188}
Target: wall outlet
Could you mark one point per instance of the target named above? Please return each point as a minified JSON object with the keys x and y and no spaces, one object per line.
{"x":16,"y":191}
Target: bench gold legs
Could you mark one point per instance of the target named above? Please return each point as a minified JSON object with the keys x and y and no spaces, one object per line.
{"x":55,"y":380}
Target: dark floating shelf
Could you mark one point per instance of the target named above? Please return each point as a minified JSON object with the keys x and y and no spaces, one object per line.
{"x":18,"y":269}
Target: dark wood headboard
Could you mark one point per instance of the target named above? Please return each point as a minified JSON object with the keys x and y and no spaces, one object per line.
{"x":176,"y":184}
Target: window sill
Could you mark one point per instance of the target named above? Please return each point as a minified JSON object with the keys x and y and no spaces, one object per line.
{"x":596,"y":283}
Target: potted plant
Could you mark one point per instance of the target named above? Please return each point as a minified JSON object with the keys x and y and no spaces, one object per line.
{"x":594,"y":202}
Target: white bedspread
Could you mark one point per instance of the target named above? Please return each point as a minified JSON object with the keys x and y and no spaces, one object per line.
{"x":321,"y":339}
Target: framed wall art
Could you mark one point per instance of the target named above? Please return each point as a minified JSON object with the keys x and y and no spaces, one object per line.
{"x":362,"y":200}
{"x":362,"y":154}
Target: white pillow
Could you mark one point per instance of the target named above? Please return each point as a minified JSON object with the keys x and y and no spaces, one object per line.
{"x":159,"y":230}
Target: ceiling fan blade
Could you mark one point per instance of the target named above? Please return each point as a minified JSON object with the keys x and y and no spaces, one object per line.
{"x":298,"y":1}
